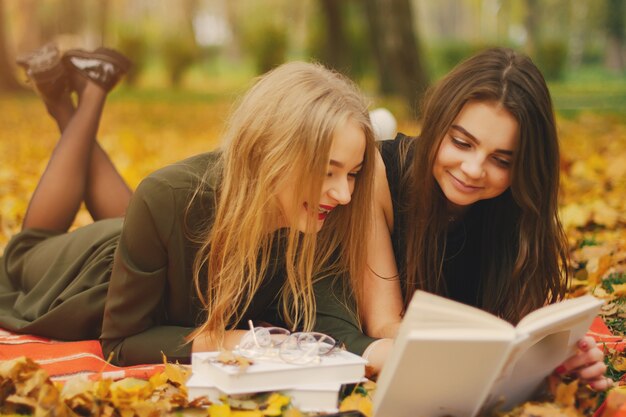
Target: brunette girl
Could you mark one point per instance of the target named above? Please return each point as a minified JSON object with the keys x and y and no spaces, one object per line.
{"x":468,"y":209}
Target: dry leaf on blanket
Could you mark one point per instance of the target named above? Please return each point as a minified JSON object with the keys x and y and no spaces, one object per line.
{"x":357,"y":402}
{"x":227,"y":357}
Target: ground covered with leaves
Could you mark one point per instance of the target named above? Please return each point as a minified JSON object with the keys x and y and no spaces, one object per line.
{"x":145,"y":133}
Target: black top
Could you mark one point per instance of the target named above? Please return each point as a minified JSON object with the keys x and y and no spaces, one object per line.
{"x":461,"y":268}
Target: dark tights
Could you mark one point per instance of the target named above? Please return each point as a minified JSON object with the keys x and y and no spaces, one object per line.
{"x":79,"y":169}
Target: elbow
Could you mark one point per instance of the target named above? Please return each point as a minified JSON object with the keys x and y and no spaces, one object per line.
{"x":384,"y":330}
{"x":111,"y":351}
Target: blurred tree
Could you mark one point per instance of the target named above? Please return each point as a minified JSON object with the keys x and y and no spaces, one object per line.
{"x":27,"y":20}
{"x":179,"y":48}
{"x":102,"y":19}
{"x":615,"y":34}
{"x":531,"y":23}
{"x":396,"y":49}
{"x":265,"y":37}
{"x":233,"y":47}
{"x":7,"y":77}
{"x":70,"y":16}
{"x":336,"y":54}
{"x":338,"y":37}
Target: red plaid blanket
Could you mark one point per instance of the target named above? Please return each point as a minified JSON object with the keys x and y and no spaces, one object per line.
{"x":63,"y":360}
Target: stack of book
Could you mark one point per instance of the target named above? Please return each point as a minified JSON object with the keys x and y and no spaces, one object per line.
{"x":312,"y":387}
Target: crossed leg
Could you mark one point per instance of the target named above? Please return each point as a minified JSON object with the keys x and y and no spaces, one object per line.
{"x":79,"y":170}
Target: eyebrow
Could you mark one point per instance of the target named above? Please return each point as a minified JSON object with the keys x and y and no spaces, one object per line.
{"x":342,"y":165}
{"x":472,"y":137}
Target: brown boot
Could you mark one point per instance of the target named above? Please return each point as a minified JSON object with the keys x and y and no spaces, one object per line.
{"x":103,"y":66}
{"x":46,"y":71}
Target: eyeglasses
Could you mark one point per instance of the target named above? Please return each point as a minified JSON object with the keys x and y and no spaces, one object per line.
{"x":276,"y":342}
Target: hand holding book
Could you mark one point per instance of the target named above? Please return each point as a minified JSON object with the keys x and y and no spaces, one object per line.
{"x":587,"y":365}
{"x":495,"y":365}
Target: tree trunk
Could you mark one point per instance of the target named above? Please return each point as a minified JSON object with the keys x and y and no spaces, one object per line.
{"x":7,"y":77}
{"x":531,"y":23}
{"x":71,"y":17}
{"x":30,"y":36}
{"x":615,"y":33}
{"x":396,"y":49}
{"x":336,"y":54}
{"x":102,"y":20}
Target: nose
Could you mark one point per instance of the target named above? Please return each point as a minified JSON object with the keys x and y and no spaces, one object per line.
{"x":473,"y":167}
{"x":341,"y":192}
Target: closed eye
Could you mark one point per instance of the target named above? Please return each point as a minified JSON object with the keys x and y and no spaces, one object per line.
{"x":460,"y":143}
{"x":502,"y":162}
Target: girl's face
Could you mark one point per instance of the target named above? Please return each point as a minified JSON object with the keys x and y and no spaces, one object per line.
{"x":346,"y":159}
{"x":475,"y":157}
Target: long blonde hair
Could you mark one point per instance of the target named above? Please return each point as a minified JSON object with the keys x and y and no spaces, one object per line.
{"x":282,"y":129}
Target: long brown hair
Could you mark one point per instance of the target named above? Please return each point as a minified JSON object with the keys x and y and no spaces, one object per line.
{"x":282,"y":129}
{"x":524,"y":248}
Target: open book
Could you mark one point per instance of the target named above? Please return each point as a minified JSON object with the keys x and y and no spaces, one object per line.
{"x":456,"y":360}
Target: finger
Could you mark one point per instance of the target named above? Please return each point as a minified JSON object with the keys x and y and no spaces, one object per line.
{"x":581,"y":359}
{"x":601,"y":384}
{"x":586,"y":343}
{"x":592,"y":372}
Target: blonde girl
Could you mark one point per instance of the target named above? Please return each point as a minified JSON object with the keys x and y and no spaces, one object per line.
{"x":204,"y":245}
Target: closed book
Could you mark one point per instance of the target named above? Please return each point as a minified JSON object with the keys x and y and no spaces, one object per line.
{"x":264,"y":375}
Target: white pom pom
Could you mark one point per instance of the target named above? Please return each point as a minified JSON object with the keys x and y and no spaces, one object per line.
{"x":384,"y":124}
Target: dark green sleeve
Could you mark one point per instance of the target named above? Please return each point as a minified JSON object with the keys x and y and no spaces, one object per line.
{"x":132,"y":328}
{"x":336,"y":318}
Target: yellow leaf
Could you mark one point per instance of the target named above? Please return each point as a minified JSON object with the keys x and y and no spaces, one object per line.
{"x":596,"y":267}
{"x":292,"y":412}
{"x":219,"y":410}
{"x":275,"y":404}
{"x":566,"y":394}
{"x":357,"y":402}
{"x":619,"y":363}
{"x":245,"y":413}
{"x":619,"y":290}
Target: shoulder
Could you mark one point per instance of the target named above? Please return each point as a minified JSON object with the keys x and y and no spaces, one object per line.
{"x":395,"y":149}
{"x":170,"y":188}
{"x":189,"y":172}
{"x":182,"y":178}
{"x":397,"y":154}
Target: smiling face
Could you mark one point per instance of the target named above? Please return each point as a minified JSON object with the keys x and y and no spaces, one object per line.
{"x":475,"y":157}
{"x":345,"y":160}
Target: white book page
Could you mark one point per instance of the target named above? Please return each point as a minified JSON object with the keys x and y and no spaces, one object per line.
{"x":429,"y":310}
{"x":547,"y":316}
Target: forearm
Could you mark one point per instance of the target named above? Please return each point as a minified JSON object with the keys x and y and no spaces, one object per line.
{"x":149,"y":346}
{"x":387,"y":331}
{"x":203,"y":343}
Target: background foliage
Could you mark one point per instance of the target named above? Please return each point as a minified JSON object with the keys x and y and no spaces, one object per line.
{"x":193,"y":57}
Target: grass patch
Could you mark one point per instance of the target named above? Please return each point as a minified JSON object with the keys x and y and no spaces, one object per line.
{"x":590,"y":89}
